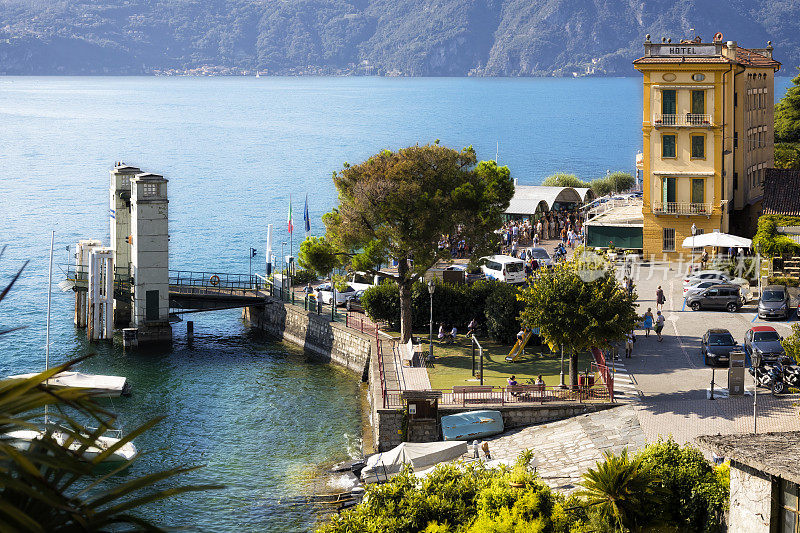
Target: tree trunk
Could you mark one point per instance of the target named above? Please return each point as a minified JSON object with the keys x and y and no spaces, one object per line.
{"x":573,"y":369}
{"x":405,"y":312}
{"x":405,"y":300}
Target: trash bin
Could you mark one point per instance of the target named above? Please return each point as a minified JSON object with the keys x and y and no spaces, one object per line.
{"x":585,"y":380}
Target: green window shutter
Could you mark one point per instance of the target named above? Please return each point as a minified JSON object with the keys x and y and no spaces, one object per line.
{"x":671,"y":190}
{"x":698,"y":146}
{"x":698,"y":191}
{"x":668,"y":102}
{"x":668,"y":146}
{"x":698,"y":102}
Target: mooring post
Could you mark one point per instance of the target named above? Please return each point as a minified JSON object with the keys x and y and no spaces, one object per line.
{"x":190,"y":329}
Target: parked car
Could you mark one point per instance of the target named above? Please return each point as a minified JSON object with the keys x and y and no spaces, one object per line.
{"x":503,"y":268}
{"x":362,"y":280}
{"x":765,"y":342}
{"x":706,"y":275}
{"x":324,"y":293}
{"x":698,"y":287}
{"x":354,"y":302}
{"x":725,"y":296}
{"x":774,"y":302}
{"x":542,"y":257}
{"x":717,"y":345}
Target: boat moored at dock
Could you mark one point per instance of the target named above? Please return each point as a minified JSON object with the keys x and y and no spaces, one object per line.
{"x":97,"y":385}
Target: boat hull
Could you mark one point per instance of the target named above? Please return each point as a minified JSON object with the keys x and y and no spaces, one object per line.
{"x":99,"y":386}
{"x":472,"y":425}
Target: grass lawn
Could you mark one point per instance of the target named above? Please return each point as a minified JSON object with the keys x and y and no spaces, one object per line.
{"x":454,"y":364}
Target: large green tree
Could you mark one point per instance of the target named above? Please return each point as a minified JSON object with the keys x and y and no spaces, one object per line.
{"x":787,"y":114}
{"x":577,"y":305}
{"x":396,"y":205}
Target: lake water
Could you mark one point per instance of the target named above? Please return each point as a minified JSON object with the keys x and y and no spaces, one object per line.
{"x":258,"y":414}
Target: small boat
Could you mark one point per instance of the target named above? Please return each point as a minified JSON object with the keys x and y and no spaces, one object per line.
{"x":98,"y":385}
{"x":420,"y":455}
{"x":472,"y":425}
{"x":21,"y":439}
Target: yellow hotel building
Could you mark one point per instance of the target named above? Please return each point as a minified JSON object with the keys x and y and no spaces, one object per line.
{"x":707,"y":132}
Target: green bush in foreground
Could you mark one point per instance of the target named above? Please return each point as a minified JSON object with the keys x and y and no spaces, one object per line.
{"x":665,"y":486}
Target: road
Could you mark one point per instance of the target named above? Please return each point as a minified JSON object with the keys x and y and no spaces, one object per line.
{"x":673,"y":380}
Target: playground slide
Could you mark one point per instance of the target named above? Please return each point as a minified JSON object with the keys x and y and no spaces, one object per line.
{"x":516,"y":351}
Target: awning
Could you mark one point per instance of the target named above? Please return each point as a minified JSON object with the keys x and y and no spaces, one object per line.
{"x":721,"y":240}
{"x":527,"y":198}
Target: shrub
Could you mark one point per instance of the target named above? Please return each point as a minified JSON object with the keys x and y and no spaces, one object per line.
{"x":382,"y":302}
{"x":564,"y":180}
{"x":502,"y":312}
{"x":301,"y":277}
{"x":778,"y":280}
{"x":695,"y":493}
{"x":621,"y":181}
{"x":768,"y":242}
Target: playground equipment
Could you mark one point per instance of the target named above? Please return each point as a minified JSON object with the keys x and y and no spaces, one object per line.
{"x":518,"y":348}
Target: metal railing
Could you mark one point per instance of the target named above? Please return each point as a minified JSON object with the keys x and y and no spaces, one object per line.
{"x":682,"y":208}
{"x":695,"y":120}
{"x":361,"y":322}
{"x":601,"y":367}
{"x":516,"y":395}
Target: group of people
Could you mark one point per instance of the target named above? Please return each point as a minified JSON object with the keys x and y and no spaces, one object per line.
{"x":649,"y":321}
{"x":457,"y":245}
{"x":564,"y":225}
{"x":447,"y":336}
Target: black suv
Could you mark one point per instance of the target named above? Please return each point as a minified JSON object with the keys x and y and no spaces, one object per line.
{"x":723,"y":296}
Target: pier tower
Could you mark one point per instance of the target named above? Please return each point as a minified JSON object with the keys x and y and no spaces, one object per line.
{"x":120,"y":222}
{"x":150,"y":257}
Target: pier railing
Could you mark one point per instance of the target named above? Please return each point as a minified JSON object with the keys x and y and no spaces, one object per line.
{"x":472,"y":396}
{"x":193,"y":282}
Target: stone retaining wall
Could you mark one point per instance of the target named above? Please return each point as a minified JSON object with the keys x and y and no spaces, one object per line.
{"x":316,"y":334}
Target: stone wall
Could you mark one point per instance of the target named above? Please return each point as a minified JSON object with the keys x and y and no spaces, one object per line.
{"x":316,"y":334}
{"x":515,"y":416}
{"x":751,"y":500}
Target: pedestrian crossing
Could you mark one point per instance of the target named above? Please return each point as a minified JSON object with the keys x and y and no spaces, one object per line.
{"x":624,"y":384}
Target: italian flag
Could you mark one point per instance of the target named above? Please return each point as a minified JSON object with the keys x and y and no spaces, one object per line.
{"x":291,"y":226}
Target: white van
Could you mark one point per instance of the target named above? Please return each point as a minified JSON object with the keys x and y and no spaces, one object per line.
{"x":503,"y":268}
{"x":362,"y":281}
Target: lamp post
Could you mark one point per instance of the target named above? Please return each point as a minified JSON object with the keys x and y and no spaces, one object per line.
{"x":431,"y":288}
{"x":694,"y":232}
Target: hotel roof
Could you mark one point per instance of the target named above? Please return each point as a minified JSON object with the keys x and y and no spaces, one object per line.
{"x":744,"y":56}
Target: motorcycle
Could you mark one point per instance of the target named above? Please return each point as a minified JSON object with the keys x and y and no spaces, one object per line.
{"x":777,"y":377}
{"x":784,"y":376}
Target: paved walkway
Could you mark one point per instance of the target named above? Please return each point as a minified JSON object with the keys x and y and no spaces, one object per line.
{"x":567,"y":448}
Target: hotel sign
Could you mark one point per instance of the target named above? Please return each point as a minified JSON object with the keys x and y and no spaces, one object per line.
{"x":683,"y":50}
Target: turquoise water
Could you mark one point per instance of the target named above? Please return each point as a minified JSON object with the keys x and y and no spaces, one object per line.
{"x":234,"y":149}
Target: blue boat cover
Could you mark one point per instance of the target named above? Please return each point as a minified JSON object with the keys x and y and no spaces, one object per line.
{"x":472,"y":425}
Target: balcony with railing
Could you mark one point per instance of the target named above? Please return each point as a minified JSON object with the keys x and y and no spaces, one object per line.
{"x":684,"y":120}
{"x":681,"y":208}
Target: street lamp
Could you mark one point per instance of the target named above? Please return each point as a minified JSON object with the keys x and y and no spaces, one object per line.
{"x":694,"y":232}
{"x":431,"y":288}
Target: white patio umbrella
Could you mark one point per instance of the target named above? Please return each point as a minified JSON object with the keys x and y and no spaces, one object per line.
{"x":721,"y":240}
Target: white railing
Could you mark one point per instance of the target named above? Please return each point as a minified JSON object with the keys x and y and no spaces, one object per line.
{"x":691,"y":120}
{"x":681,"y":208}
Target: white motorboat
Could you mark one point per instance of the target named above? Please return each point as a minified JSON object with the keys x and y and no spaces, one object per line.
{"x":21,"y":439}
{"x":98,"y":385}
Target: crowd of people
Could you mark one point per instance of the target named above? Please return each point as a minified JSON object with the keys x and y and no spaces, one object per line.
{"x":564,"y":225}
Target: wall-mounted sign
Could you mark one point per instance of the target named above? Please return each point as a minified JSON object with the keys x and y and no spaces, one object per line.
{"x":679,"y":50}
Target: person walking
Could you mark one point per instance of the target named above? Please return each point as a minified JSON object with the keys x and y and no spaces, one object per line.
{"x":659,"y":325}
{"x":660,"y":299}
{"x":647,"y":323}
{"x":629,"y":344}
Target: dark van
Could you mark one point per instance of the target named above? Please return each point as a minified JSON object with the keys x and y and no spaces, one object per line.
{"x":723,"y":296}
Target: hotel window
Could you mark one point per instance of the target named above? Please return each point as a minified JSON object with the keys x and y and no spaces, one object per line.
{"x":698,"y":102}
{"x":668,"y":143}
{"x":698,"y":146}
{"x":669,"y":240}
{"x":789,"y":508}
{"x":669,"y":193}
{"x":668,"y":106}
{"x":150,"y":189}
{"x":698,"y":191}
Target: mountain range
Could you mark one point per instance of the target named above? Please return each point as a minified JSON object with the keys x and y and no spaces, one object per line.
{"x":379,"y":37}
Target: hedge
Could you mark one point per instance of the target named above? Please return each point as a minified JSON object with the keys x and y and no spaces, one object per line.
{"x":492,"y":303}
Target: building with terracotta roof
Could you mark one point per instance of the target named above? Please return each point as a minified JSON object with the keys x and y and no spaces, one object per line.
{"x":707,"y":139}
{"x":781,"y":192}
